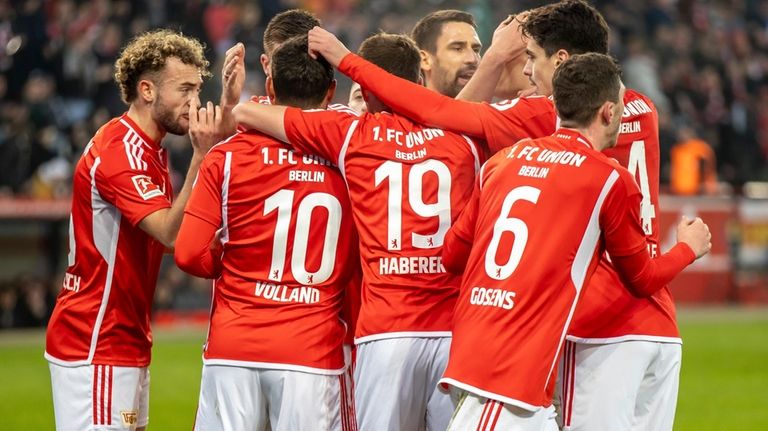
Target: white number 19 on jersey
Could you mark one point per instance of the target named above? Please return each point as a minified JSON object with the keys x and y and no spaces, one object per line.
{"x":440,"y":209}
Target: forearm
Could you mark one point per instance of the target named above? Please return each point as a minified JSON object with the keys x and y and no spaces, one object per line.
{"x":267,"y":119}
{"x":455,"y":252}
{"x":644,"y":276}
{"x":163,"y":225}
{"x":482,"y":86}
{"x":413,"y":100}
{"x":193,"y":253}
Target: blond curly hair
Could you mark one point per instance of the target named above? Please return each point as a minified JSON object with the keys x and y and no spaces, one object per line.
{"x":148,"y":53}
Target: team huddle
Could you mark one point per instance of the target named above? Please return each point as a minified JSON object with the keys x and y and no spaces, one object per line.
{"x":421,"y":259}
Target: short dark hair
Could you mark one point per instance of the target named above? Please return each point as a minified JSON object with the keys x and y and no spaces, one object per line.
{"x":395,"y":53}
{"x":572,"y":25}
{"x":581,"y":85}
{"x":287,"y":25}
{"x":428,"y":29}
{"x":298,"y":79}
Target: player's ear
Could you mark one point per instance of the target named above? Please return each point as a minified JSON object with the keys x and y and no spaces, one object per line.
{"x":147,"y":90}
{"x":426,"y":60}
{"x":269,"y":86}
{"x":561,"y":55}
{"x":607,"y":112}
{"x":265,"y":64}
{"x":330,"y":93}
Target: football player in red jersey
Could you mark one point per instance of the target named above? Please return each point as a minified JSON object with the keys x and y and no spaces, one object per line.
{"x":526,"y":264}
{"x":645,"y":327}
{"x":406,"y":182}
{"x":449,"y":48}
{"x":274,"y":348}
{"x":123,"y":217}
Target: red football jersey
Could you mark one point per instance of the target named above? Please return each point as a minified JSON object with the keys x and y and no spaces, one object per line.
{"x":407,"y":184}
{"x":546,"y":210}
{"x":103,"y":311}
{"x":499,"y":124}
{"x":605,"y":313}
{"x":288,"y":243}
{"x":608,"y":313}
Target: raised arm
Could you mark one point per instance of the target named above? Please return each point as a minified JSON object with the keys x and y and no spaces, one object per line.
{"x":508,"y":44}
{"x":267,"y":119}
{"x":204,"y":127}
{"x":232,"y":81}
{"x":404,"y":97}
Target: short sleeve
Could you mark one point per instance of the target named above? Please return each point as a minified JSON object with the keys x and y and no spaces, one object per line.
{"x":127,"y":184}
{"x":319,"y":132}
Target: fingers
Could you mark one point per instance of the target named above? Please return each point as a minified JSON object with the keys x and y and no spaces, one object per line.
{"x":193,"y":107}
{"x":237,"y":49}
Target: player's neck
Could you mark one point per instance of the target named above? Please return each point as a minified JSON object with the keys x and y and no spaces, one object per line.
{"x":594,"y":134}
{"x":375,"y":105}
{"x":142,"y":116}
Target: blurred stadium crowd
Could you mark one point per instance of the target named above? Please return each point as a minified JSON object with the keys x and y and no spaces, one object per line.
{"x":704,"y":63}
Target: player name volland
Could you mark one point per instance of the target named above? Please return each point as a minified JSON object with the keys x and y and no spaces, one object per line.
{"x":411,"y":265}
{"x":281,"y":293}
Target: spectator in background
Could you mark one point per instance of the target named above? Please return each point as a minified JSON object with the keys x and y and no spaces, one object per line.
{"x":714,"y":57}
{"x":693,"y":165}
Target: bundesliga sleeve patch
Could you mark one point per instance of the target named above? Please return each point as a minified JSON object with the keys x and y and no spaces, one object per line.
{"x":146,"y":188}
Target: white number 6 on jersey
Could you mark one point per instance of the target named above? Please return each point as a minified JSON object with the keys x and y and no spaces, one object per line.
{"x":509,"y":224}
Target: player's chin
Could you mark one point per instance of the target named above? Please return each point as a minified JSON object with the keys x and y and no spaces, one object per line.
{"x":181,"y":127}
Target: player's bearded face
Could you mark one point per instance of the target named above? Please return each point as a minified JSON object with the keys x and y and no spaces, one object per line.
{"x":177,"y":87}
{"x":456,"y":59}
{"x":174,"y":120}
{"x":449,"y":81}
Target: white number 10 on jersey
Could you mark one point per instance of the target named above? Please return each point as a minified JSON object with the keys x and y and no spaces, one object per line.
{"x":282,"y":201}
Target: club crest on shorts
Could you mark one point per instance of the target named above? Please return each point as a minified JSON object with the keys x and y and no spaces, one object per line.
{"x":146,"y":188}
{"x":129,"y":417}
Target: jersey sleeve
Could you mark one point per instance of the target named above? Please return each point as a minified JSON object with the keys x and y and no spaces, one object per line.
{"x":193,"y":252}
{"x":202,"y":217}
{"x":498,"y":125}
{"x":459,"y":239}
{"x":319,"y":132}
{"x":205,"y":199}
{"x":626,"y":244}
{"x":128,"y":186}
{"x":517,"y":119}
{"x":417,"y":102}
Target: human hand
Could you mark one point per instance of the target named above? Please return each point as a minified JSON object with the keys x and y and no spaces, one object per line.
{"x":324,"y":43}
{"x":204,"y":127}
{"x":508,"y":41}
{"x":696,"y":234}
{"x":233,"y":76}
